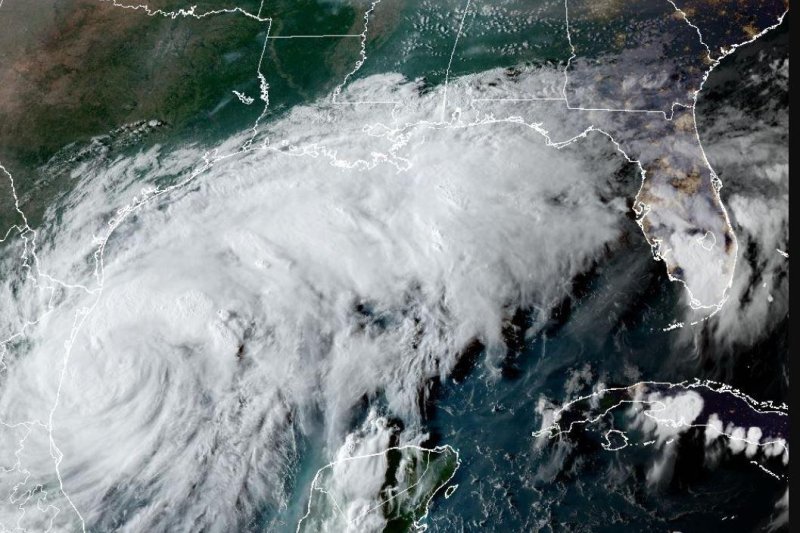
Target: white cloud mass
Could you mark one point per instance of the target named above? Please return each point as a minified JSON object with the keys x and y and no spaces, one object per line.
{"x":280,"y":283}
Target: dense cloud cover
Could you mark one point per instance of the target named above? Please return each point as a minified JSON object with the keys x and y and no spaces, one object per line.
{"x":344,"y":256}
{"x":274,"y":286}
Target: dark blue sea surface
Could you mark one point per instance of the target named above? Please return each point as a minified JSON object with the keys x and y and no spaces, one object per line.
{"x":613,"y":323}
{"x":612,"y":326}
{"x":609,"y":328}
{"x":507,"y":484}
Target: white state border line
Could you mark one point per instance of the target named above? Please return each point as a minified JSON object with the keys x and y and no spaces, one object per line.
{"x":321,"y":36}
{"x":643,"y":208}
{"x":147,"y":194}
{"x":521,"y":99}
{"x":377,"y":506}
{"x":437,"y":449}
{"x":362,"y":53}
{"x":210,"y":158}
{"x":452,"y":54}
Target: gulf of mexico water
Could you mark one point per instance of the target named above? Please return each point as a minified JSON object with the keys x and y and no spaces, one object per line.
{"x":614,"y":330}
{"x":609,"y":330}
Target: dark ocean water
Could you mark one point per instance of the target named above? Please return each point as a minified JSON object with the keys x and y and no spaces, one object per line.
{"x":506,"y":484}
{"x":609,"y":329}
{"x":614,"y":325}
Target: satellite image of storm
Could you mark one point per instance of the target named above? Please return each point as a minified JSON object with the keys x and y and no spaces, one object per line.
{"x":304,"y":266}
